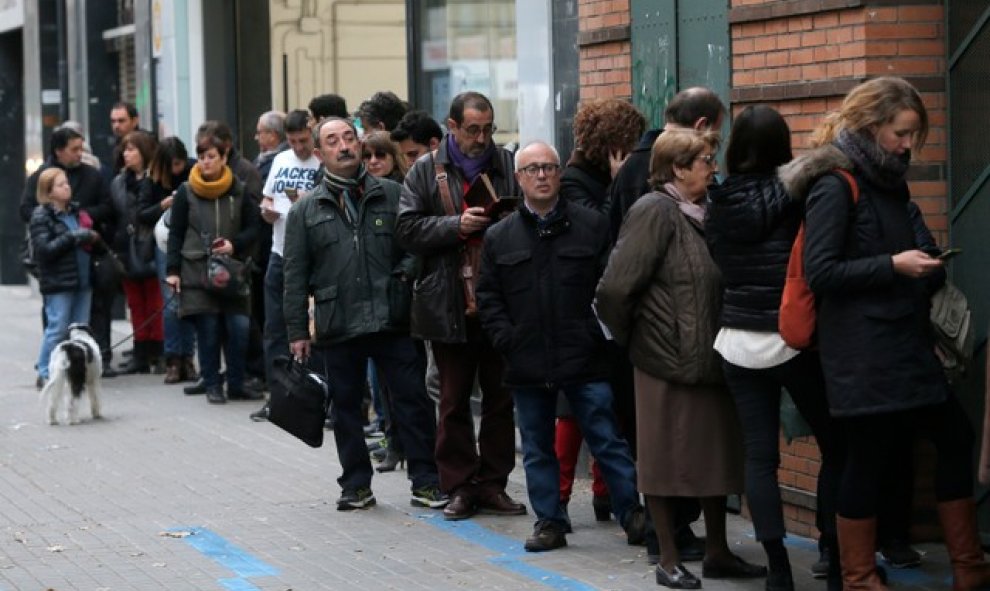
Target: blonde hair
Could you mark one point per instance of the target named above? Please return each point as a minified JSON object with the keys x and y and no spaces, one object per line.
{"x":874,"y":102}
{"x":45,"y":183}
{"x":677,"y":147}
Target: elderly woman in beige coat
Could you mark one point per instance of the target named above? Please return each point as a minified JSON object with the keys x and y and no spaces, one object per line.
{"x":660,"y":297}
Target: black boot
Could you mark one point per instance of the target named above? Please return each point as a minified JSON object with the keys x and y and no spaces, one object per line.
{"x":138,"y":363}
{"x":154,"y":352}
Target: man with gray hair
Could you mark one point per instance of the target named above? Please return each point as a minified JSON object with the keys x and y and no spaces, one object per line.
{"x":539,"y":270}
{"x":270,"y":135}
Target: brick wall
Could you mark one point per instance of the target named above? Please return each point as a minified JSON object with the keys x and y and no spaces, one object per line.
{"x":801,"y":58}
{"x":605,"y":50}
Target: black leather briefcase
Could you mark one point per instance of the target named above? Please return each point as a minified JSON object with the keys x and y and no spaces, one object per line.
{"x":299,"y":401}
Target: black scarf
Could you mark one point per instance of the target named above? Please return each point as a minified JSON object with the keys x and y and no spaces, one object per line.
{"x":346,"y":190}
{"x":880,"y":167}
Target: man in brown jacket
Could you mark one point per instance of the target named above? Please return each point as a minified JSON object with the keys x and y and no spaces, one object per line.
{"x":474,"y":474}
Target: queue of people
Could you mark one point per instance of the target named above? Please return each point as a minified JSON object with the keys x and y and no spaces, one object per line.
{"x":631,"y":299}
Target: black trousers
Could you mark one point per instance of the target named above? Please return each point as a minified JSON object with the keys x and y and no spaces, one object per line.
{"x":757,"y":396}
{"x":876,"y":440}
{"x":403,"y":367}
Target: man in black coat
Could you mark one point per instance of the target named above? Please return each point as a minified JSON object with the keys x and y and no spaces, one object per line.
{"x":91,"y":192}
{"x":539,"y":270}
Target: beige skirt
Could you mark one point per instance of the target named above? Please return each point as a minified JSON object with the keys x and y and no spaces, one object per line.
{"x":688,"y":439}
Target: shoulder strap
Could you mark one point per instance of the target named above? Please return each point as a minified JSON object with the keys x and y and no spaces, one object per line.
{"x":853,"y":185}
{"x":442,"y":184}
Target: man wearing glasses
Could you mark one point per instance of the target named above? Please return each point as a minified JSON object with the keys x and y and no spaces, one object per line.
{"x":539,"y":270}
{"x":435,"y":224}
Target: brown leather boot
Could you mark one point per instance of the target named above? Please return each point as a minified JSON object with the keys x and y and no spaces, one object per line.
{"x":857,"y":549}
{"x":970,"y":571}
{"x":189,"y":373}
{"x":173,"y":370}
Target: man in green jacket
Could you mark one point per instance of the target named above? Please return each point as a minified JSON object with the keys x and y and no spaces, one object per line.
{"x":339,"y":249}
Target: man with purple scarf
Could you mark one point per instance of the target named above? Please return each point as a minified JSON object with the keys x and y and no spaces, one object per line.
{"x":473,"y":472}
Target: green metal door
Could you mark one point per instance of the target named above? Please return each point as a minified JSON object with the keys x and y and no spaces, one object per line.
{"x":969,"y":180}
{"x":677,"y":44}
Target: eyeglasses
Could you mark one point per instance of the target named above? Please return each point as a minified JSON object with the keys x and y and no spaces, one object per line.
{"x":708,"y":159}
{"x":474,"y":130}
{"x":380,"y":154}
{"x":534,"y":170}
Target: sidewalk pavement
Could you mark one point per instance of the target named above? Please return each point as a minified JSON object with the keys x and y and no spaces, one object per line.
{"x":168,"y":492}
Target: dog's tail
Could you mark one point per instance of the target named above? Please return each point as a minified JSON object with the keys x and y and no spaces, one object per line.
{"x":76,"y":353}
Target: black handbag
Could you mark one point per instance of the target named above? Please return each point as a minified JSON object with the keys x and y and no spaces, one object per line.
{"x":300,"y":400}
{"x":140,"y":261}
{"x":227,"y":277}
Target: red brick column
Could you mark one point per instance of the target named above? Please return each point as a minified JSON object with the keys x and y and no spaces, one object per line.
{"x":605,"y":49}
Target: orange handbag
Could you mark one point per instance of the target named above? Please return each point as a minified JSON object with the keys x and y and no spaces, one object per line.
{"x":796,"y":321}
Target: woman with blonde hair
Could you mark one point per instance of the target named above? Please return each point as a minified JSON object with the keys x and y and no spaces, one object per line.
{"x":62,"y":238}
{"x":660,"y":297}
{"x":872,"y":265}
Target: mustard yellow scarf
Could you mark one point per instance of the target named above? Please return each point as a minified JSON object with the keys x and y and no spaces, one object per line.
{"x":210,"y":189}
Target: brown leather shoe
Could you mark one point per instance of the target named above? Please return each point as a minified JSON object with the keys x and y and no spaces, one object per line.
{"x":173,"y":371}
{"x":461,"y":506}
{"x":500,"y":504}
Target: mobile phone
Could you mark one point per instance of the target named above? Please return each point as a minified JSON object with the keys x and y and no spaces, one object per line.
{"x":291,"y":193}
{"x":948,"y":253}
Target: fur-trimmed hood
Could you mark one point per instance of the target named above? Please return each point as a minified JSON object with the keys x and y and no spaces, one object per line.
{"x":799,"y":174}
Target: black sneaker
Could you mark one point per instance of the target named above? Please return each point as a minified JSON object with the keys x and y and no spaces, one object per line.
{"x":361,"y":498}
{"x":899,"y":554}
{"x":109,"y":371}
{"x":215,"y":395}
{"x":547,"y":535}
{"x":260,"y":415}
{"x":429,"y":496}
{"x":245,"y":392}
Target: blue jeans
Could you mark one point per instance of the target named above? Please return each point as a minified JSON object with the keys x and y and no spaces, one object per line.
{"x":234,"y":348}
{"x":180,"y":334}
{"x":591,"y":405}
{"x":61,"y":310}
{"x":276,"y":335}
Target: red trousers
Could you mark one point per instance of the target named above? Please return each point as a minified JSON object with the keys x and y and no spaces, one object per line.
{"x":144,"y":300}
{"x":567,"y":444}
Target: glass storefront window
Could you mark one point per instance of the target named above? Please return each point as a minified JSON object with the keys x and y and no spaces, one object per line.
{"x":467,"y":45}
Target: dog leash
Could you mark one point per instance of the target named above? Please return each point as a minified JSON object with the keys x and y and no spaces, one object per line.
{"x":146,"y":322}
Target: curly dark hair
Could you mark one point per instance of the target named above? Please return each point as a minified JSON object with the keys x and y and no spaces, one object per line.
{"x":604,"y":125}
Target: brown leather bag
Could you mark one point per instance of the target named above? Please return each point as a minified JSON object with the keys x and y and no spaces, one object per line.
{"x":470,"y":251}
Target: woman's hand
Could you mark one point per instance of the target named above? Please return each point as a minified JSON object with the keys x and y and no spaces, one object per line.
{"x":222,"y":246}
{"x":174,"y":282}
{"x":615,"y":161}
{"x":915,"y":264}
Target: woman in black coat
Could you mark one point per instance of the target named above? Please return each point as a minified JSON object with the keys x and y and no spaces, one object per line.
{"x":873,"y":273}
{"x":751,"y":224}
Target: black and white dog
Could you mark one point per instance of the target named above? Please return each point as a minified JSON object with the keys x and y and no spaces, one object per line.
{"x":75,"y":362}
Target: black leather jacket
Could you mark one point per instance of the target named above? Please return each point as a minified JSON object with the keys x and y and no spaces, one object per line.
{"x":426,"y":230}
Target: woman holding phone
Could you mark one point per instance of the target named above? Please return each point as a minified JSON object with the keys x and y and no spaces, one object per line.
{"x":213,"y":214}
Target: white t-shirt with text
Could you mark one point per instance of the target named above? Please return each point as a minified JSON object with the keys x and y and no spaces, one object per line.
{"x":288,"y":172}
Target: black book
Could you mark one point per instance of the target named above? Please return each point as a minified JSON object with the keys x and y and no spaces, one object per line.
{"x":482,"y":193}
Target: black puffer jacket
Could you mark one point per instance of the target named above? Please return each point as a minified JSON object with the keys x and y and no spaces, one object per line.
{"x":874,"y":332}
{"x":54,"y":247}
{"x":425,"y":229}
{"x":750,"y":228}
{"x":535,"y":292}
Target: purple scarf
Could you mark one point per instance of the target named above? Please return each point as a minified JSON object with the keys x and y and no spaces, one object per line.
{"x":471,"y":167}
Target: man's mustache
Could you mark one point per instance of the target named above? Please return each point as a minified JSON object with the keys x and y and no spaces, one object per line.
{"x":345,"y":155}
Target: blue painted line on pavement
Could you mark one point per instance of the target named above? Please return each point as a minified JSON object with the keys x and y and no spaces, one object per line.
{"x":510,"y":553}
{"x":229,"y":556}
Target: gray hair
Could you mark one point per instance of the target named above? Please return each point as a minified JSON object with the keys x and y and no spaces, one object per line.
{"x":274,"y":121}
{"x":533,"y":143}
